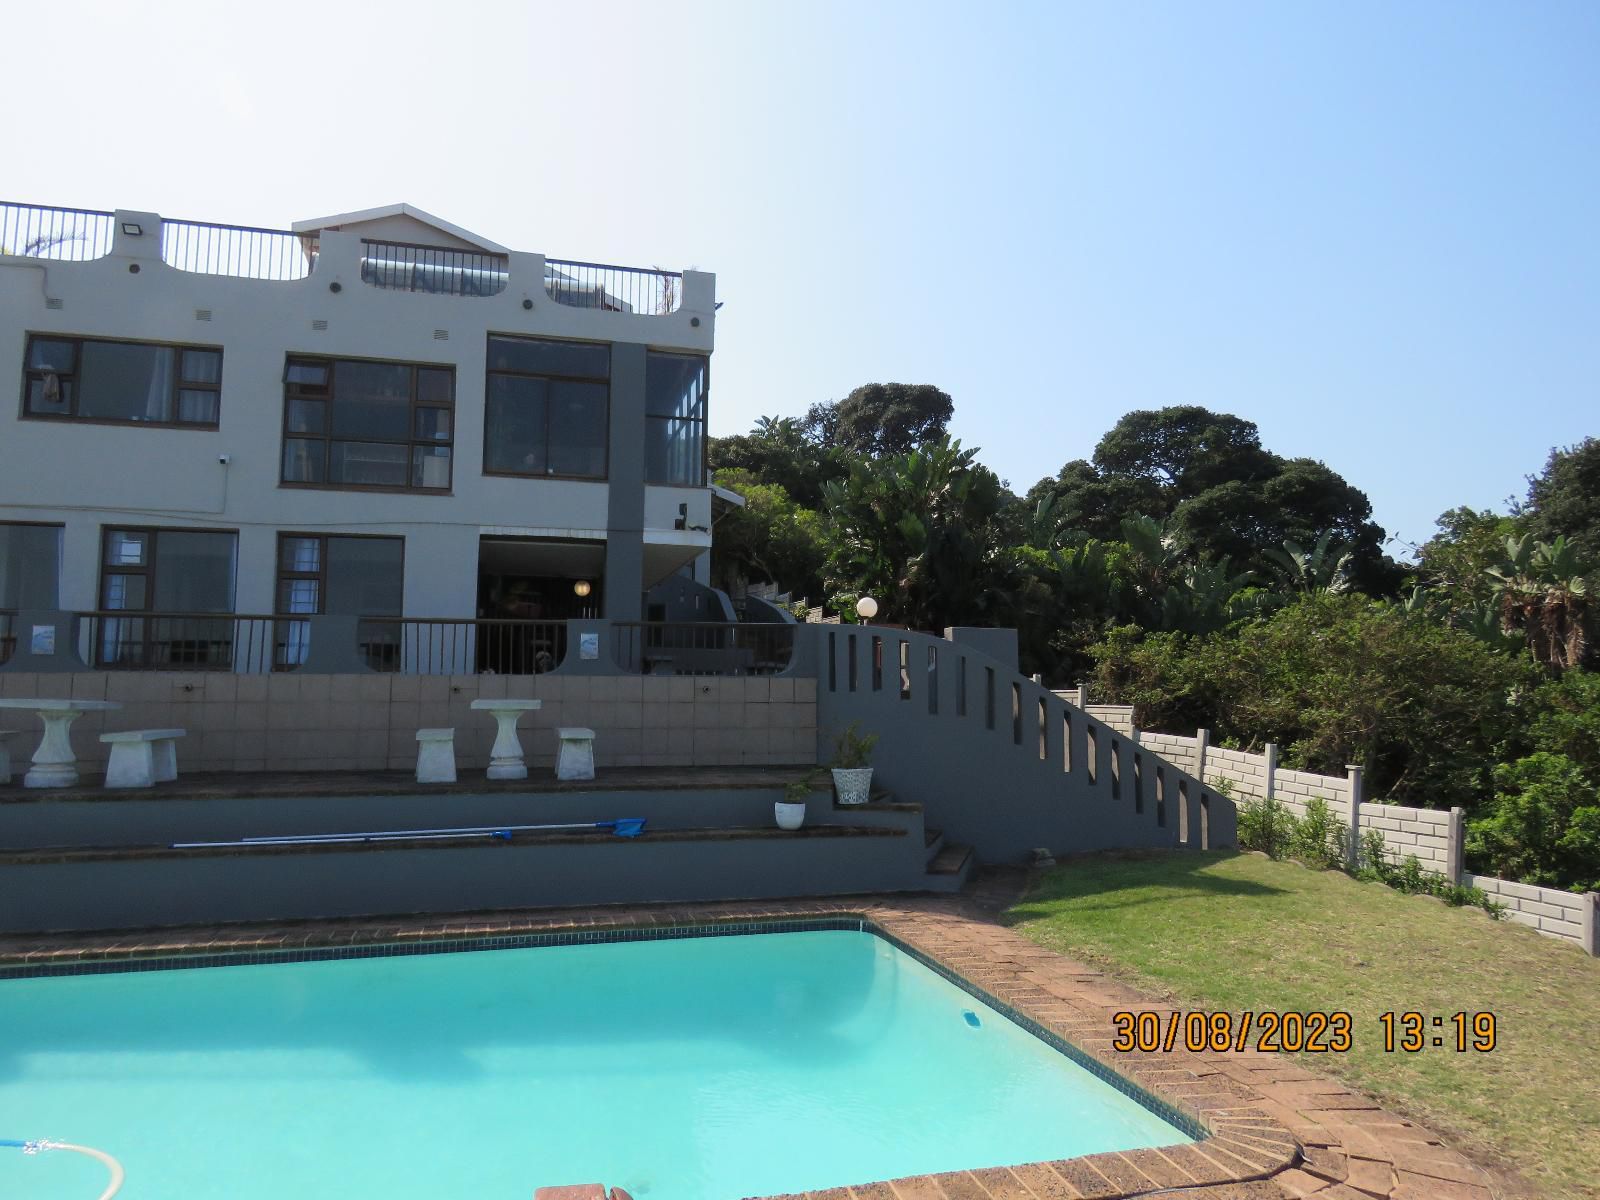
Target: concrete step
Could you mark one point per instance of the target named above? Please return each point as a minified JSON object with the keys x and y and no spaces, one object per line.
{"x":953,"y":859}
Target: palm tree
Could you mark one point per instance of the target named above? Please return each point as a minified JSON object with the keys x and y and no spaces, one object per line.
{"x":1542,"y":593}
{"x":1325,"y":568}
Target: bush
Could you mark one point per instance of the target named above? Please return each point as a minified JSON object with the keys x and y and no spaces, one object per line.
{"x":1543,"y":825}
{"x":1320,"y":837}
{"x":1268,"y":826}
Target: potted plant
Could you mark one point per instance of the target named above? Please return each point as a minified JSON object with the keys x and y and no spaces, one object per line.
{"x":852,"y":767}
{"x":791,"y":810}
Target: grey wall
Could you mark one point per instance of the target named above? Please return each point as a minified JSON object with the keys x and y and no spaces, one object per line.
{"x":625,"y":506}
{"x":984,"y":784}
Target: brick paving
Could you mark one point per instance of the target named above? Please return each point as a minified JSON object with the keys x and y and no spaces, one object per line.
{"x":1275,"y":1129}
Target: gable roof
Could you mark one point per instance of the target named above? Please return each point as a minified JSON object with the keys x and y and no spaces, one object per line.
{"x":339,"y":220}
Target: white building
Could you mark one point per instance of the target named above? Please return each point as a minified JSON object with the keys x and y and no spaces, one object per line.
{"x":369,"y":414}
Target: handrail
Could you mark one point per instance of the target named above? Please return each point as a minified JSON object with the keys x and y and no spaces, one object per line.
{"x":646,"y":291}
{"x":242,"y":251}
{"x":51,"y":232}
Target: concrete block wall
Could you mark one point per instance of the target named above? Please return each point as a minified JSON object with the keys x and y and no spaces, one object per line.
{"x":1424,"y":832}
{"x":1117,"y":716}
{"x":1566,"y":915}
{"x":1296,"y":788}
{"x":295,"y":722}
{"x":1179,"y":751}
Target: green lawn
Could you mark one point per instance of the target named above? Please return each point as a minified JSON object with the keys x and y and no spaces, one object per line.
{"x":1240,"y":932}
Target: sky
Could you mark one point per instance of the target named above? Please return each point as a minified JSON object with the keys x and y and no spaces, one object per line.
{"x":1369,"y":228}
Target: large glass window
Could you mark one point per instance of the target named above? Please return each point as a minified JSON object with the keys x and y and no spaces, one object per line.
{"x":30,"y":566}
{"x":91,"y":379}
{"x":675,"y":419}
{"x":173,"y":577}
{"x":349,"y":423}
{"x":346,"y":576}
{"x":546,"y":408}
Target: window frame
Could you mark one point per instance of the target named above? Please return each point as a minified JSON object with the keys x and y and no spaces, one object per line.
{"x":179,"y":384}
{"x":412,"y":442}
{"x":279,"y":574}
{"x":490,"y":372}
{"x":703,"y":420}
{"x":148,"y":570}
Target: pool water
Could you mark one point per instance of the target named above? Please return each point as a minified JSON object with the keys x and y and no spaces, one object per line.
{"x":689,"y":1069}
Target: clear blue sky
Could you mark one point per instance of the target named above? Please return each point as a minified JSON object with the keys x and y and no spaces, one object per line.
{"x":1370,"y":228}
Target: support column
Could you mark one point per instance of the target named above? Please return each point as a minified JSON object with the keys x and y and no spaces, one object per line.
{"x":1353,"y":774}
{"x":1202,"y":739}
{"x":1272,"y":770}
{"x":624,"y":594}
{"x":1591,"y":923}
{"x":1455,"y":844}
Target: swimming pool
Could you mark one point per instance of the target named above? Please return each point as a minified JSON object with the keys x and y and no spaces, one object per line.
{"x":703,"y":1068}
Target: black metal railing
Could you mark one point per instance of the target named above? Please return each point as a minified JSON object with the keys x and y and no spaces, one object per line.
{"x":701,"y":647}
{"x":8,"y":634}
{"x":613,"y":289}
{"x":128,"y":640}
{"x":445,"y":646}
{"x":239,"y":250}
{"x":438,"y":270}
{"x":64,"y":234}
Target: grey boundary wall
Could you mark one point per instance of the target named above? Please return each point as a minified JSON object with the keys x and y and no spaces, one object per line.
{"x":998,"y":761}
{"x":1434,"y":836}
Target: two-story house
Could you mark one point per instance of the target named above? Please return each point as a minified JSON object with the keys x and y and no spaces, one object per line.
{"x":374,"y":414}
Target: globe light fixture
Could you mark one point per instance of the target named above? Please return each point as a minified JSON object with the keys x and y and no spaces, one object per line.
{"x":582,"y":587}
{"x":866,"y":608}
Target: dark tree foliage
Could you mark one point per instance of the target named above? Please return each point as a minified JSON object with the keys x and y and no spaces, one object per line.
{"x":1226,"y":495}
{"x":779,"y":452}
{"x":881,"y":418}
{"x":1564,"y":499}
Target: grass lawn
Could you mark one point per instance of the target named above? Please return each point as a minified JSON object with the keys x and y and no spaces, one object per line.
{"x":1221,"y":930}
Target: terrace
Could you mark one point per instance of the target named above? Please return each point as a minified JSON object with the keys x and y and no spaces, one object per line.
{"x":464,"y":269}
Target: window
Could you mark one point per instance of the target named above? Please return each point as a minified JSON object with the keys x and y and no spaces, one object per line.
{"x":176,"y":576}
{"x":343,"y":575}
{"x":138,"y":383}
{"x":30,"y":566}
{"x":547,"y":408}
{"x":675,"y":419}
{"x":354,"y":423}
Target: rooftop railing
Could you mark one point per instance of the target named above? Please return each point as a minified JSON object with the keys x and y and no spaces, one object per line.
{"x":242,"y":251}
{"x":649,"y":292}
{"x":62,"y":234}
{"x":439,"y":270}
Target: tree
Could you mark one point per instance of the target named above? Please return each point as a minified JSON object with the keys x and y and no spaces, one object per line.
{"x":881,"y":418}
{"x":1564,"y":499}
{"x":771,"y":539}
{"x":778,"y":452}
{"x":1542,"y":825}
{"x":1541,"y":592}
{"x":916,"y":531}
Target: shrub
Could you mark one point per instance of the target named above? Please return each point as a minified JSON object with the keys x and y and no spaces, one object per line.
{"x":1320,"y":837}
{"x":1543,"y":825}
{"x":1268,"y":826}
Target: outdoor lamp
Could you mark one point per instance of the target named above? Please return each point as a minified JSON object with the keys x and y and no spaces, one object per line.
{"x":582,"y":587}
{"x":866,"y":608}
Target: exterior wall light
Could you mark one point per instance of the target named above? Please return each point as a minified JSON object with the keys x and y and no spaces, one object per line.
{"x":582,"y":587}
{"x":133,"y":229}
{"x":866,"y":608}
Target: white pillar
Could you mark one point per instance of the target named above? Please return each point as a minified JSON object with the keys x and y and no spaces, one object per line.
{"x":1202,"y":739}
{"x":1455,"y":843}
{"x":1353,"y":774}
{"x":1272,"y":770}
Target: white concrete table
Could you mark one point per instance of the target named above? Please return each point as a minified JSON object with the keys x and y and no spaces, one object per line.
{"x":505,"y":757}
{"x":53,"y":762}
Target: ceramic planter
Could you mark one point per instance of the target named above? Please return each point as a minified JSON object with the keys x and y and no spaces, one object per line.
{"x":853,"y":784}
{"x":790,"y":816}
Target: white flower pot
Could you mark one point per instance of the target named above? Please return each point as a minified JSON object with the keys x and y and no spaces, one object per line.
{"x":790,"y":816}
{"x":853,"y":784}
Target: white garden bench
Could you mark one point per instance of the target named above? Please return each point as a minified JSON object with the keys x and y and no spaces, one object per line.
{"x":142,"y":757}
{"x":5,"y":755}
{"x":576,"y":757}
{"x":436,"y":755}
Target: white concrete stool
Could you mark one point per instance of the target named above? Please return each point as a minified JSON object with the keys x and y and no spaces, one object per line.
{"x":576,"y":758}
{"x":5,"y":755}
{"x":142,"y":757}
{"x":436,"y":756}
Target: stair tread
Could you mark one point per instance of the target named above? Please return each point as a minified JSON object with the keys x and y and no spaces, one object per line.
{"x":930,"y":836}
{"x":950,"y":860}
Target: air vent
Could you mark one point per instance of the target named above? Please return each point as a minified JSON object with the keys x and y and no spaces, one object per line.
{"x":441,"y":335}
{"x":52,"y":304}
{"x":319,"y":324}
{"x":202,"y":314}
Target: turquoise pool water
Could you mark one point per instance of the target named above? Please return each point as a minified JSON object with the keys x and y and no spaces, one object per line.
{"x":692,"y":1069}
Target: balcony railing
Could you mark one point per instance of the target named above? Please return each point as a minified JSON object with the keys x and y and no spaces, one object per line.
{"x":126,"y":640}
{"x":8,"y":635}
{"x":440,"y":646}
{"x":438,"y":270}
{"x":242,"y":251}
{"x":613,"y":289}
{"x":63,"y":234}
{"x":701,"y":647}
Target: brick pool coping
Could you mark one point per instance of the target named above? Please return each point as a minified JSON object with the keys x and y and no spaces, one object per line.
{"x":1266,"y":1118}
